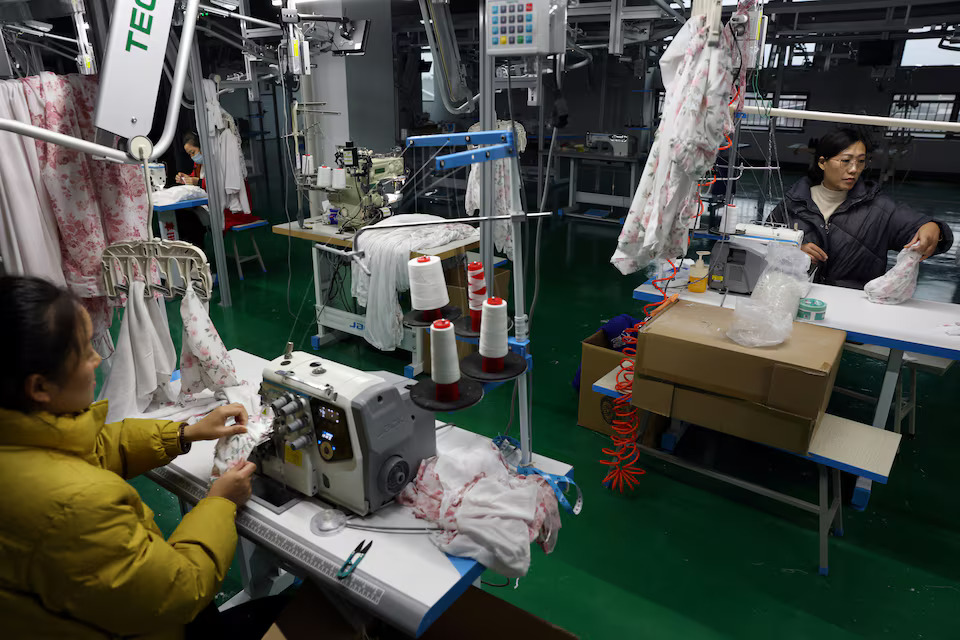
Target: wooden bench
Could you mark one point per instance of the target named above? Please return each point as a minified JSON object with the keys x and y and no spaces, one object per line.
{"x":838,"y":445}
{"x":903,"y":407}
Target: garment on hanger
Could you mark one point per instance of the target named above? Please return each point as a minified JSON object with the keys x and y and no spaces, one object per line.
{"x":695,"y":119}
{"x":230,"y":162}
{"x":204,"y":361}
{"x":506,"y":188}
{"x":29,"y":238}
{"x":144,"y":358}
{"x":387,"y":254}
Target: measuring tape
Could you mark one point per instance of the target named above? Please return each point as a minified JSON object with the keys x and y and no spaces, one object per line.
{"x":555,"y":481}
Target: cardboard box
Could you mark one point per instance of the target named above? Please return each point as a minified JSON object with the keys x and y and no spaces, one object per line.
{"x":460,"y":298}
{"x":688,"y":369}
{"x":476,"y":615}
{"x":595,"y":410}
{"x":597,"y":359}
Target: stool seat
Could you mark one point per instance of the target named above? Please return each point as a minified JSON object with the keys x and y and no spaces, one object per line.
{"x":237,"y":222}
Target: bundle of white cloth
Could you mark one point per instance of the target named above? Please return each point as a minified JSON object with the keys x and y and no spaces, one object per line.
{"x":486,"y":512}
{"x":899,"y":284}
{"x":386,"y":255}
{"x":138,"y":382}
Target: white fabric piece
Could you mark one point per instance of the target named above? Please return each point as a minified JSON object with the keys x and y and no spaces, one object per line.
{"x":386,"y":255}
{"x":506,"y":192}
{"x":204,"y":361}
{"x":211,"y":101}
{"x":897,"y":285}
{"x":143,"y":360}
{"x":485,"y":511}
{"x":231,"y":164}
{"x":698,"y":82}
{"x":180,"y":193}
{"x":29,"y":239}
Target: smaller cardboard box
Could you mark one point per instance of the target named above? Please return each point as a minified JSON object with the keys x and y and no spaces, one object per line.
{"x":686,"y":368}
{"x":595,"y":410}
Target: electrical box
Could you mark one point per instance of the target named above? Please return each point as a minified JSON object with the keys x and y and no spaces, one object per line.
{"x":526,"y":28}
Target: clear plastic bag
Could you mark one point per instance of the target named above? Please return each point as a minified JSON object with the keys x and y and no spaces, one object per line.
{"x":766,"y":319}
{"x":897,"y":285}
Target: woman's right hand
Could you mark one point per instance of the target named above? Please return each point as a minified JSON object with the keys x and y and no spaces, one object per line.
{"x":816,"y":253}
{"x":236,"y":484}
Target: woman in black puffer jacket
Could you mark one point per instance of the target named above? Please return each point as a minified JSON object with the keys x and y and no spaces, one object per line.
{"x":848,"y":225}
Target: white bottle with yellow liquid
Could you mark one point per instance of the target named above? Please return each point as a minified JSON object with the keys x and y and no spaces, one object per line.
{"x":698,"y":274}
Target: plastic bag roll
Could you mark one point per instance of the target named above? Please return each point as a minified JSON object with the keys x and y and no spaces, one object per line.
{"x":428,"y":289}
{"x":444,"y":362}
{"x":493,"y":329}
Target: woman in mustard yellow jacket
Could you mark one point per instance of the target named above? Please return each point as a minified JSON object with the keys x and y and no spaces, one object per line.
{"x":80,"y":555}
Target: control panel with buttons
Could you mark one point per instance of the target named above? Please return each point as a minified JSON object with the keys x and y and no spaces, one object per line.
{"x":517,"y":27}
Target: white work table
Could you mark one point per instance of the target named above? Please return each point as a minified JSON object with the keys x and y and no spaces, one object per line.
{"x":915,"y":326}
{"x":403,"y":579}
{"x":332,"y":322}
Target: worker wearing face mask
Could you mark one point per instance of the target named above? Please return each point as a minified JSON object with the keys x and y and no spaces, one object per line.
{"x":196,"y":177}
{"x":848,"y":225}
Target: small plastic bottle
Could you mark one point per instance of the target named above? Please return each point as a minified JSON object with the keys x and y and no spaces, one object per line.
{"x":698,"y":274}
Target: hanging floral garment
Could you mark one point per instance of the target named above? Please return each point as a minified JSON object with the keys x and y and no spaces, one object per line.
{"x":95,"y":202}
{"x":696,"y":119}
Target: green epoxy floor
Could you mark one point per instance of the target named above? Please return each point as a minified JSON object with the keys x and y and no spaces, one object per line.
{"x":681,"y":556}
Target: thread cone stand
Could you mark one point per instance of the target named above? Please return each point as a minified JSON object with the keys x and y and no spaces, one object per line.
{"x":473,"y":367}
{"x":424,"y":395}
{"x":464,"y":327}
{"x":417,"y":318}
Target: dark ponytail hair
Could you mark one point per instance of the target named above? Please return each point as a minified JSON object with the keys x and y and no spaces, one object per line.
{"x":40,"y":322}
{"x":831,"y":145}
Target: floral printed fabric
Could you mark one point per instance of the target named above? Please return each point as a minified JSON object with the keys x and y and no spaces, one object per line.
{"x":506,"y":192}
{"x":696,"y":117}
{"x":95,"y":202}
{"x":899,"y":284}
{"x":204,"y":361}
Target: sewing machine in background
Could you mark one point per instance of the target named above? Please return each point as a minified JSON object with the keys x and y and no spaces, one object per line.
{"x":737,"y":261}
{"x":621,"y":146}
{"x":353,"y":438}
{"x":373,"y":186}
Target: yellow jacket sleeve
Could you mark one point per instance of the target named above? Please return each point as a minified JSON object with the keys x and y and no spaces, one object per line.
{"x":101,"y":565}
{"x":134,"y":446}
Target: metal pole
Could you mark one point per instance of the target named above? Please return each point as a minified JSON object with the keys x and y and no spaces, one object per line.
{"x":488,"y":118}
{"x":732,"y":162}
{"x":211,"y":170}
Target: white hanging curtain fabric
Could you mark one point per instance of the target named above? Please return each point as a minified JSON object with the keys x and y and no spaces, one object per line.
{"x":232,"y":166}
{"x":204,"y":361}
{"x":29,"y":238}
{"x":387,"y":254}
{"x":506,"y":188}
{"x":695,"y":119}
{"x":144,"y":358}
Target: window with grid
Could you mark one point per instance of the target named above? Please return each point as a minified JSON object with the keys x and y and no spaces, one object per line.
{"x":923,"y":106}
{"x":762,"y":122}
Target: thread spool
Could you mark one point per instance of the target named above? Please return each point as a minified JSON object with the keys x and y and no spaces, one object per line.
{"x":444,"y":364}
{"x":339,"y":178}
{"x":428,"y":289}
{"x":306,"y":164}
{"x":324,"y":177}
{"x":477,"y":293}
{"x":493,"y":334}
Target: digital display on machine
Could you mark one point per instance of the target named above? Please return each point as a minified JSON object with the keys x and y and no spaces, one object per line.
{"x":333,"y":435}
{"x":331,"y":414}
{"x":326,"y":435}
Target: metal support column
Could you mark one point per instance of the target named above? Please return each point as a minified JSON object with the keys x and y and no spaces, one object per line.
{"x":488,"y":118}
{"x":732,"y":162}
{"x":211,"y":169}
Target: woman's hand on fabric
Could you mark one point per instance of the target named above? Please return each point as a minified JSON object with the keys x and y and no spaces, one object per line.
{"x":926,"y":239}
{"x":214,"y":425}
{"x":816,"y":253}
{"x":236,"y":484}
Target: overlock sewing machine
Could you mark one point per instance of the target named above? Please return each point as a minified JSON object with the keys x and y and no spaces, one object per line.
{"x":373,"y":185}
{"x":352,"y":438}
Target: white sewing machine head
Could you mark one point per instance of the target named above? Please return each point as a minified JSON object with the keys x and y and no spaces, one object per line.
{"x":352,"y":437}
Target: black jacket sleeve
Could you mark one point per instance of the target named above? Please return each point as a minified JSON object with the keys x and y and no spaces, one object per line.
{"x":903,"y":225}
